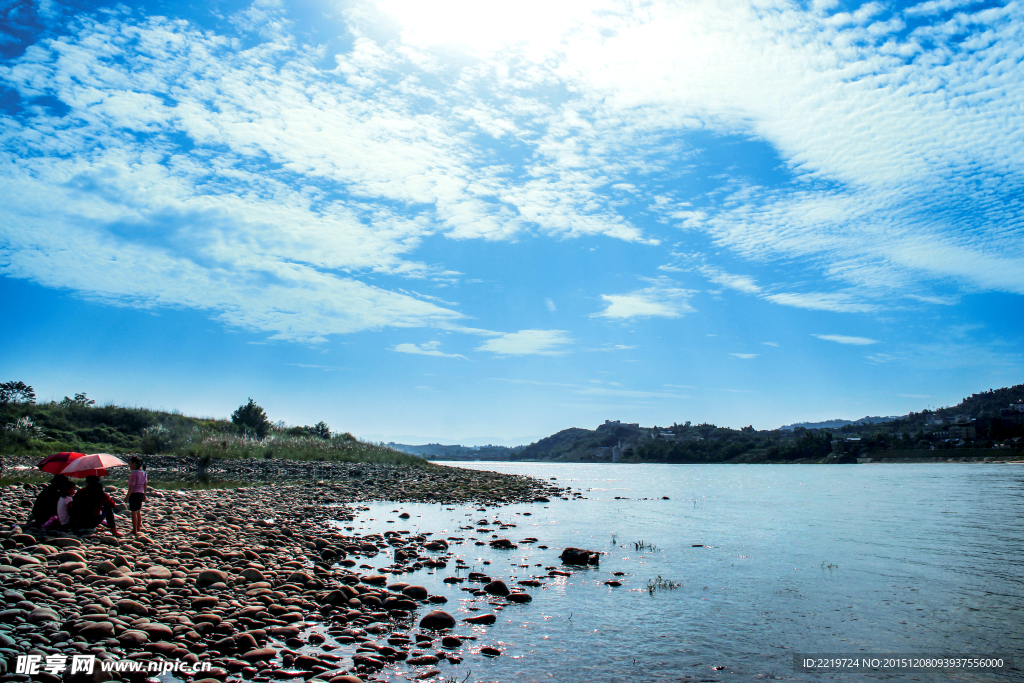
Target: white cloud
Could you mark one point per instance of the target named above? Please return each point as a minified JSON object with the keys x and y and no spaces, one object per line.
{"x":889,"y":134}
{"x":529,"y":342}
{"x":531,"y":382}
{"x":938,"y":300}
{"x":740,"y":283}
{"x":325,"y":368}
{"x":291,"y":183}
{"x":613,"y":389}
{"x":822,"y":301}
{"x":628,"y":393}
{"x":614,"y":347}
{"x":663,"y":299}
{"x":843,"y":339}
{"x":425,"y":349}
{"x":896,"y":168}
{"x":550,"y":305}
{"x":745,"y":356}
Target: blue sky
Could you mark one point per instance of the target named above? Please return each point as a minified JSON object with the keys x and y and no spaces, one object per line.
{"x":490,"y":221}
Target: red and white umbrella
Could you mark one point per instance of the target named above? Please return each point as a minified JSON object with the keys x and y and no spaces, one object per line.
{"x":93,"y":464}
{"x":55,"y":464}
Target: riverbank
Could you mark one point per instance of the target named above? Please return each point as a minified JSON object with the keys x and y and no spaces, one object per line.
{"x":242,"y":580}
{"x":337,"y":482}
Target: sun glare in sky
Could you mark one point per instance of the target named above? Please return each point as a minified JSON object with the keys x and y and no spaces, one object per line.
{"x":490,"y":27}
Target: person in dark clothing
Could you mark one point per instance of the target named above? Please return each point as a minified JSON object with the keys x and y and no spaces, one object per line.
{"x":45,"y":506}
{"x":92,"y":505}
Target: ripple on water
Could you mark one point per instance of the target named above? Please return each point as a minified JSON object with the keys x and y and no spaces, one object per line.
{"x":769,"y":561}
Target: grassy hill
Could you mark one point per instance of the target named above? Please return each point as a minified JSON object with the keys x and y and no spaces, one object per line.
{"x":76,"y":425}
{"x":986,"y":404}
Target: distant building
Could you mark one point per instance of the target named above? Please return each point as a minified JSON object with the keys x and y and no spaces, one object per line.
{"x":617,"y":423}
{"x":1017,"y":407}
{"x":617,"y":452}
{"x":841,"y":445}
{"x":963,"y":430}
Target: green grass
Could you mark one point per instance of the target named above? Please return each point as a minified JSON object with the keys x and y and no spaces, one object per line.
{"x":39,"y":430}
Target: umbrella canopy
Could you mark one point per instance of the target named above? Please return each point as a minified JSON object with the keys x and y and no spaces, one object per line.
{"x":94,"y":463}
{"x":55,"y":464}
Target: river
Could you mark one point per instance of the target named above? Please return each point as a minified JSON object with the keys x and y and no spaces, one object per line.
{"x":756,"y":563}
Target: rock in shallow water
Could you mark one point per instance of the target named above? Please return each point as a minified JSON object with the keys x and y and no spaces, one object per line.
{"x":437,"y":620}
{"x":481,"y":619}
{"x":580,"y":556}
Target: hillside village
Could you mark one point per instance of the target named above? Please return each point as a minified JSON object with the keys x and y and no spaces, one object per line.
{"x":985,"y":425}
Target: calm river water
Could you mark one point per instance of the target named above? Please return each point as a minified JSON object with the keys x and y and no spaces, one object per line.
{"x":922,"y":559}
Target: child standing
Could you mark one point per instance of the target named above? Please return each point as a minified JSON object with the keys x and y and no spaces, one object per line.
{"x":136,"y":492}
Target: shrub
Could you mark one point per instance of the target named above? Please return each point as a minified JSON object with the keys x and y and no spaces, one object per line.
{"x":251,"y":419}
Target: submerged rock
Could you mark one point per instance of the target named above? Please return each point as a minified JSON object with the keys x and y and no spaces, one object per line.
{"x":580,"y":556}
{"x":437,"y":620}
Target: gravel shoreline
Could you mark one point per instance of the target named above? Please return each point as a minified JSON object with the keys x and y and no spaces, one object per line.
{"x":238,"y":580}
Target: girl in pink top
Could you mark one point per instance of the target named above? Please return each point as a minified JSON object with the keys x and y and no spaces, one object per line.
{"x":137,"y":491}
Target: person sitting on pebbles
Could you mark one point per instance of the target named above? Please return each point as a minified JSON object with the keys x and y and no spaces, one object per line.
{"x":62,"y":520}
{"x":92,"y":505}
{"x":45,"y":506}
{"x":137,"y":492}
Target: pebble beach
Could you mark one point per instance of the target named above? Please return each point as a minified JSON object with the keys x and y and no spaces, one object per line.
{"x":239,"y":583}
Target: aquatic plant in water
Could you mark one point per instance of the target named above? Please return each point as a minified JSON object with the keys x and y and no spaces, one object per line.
{"x":660,"y":584}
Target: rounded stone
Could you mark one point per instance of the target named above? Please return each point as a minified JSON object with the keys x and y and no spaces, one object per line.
{"x":497,"y":588}
{"x":437,"y":620}
{"x":159,"y":572}
{"x":252,"y":575}
{"x":416,"y":592}
{"x":133,"y":638}
{"x":205,"y":602}
{"x":97,"y":631}
{"x":131,"y":607}
{"x":481,"y":619}
{"x":263,"y":654}
{"x":208,"y":577}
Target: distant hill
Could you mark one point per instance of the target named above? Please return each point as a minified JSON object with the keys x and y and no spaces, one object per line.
{"x":986,"y":404}
{"x":437,"y":451}
{"x":836,"y":424}
{"x":576,"y":441}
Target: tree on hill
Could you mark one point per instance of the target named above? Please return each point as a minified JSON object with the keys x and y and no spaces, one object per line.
{"x":320,"y":429}
{"x":16,"y":392}
{"x":251,"y":419}
{"x":79,"y":400}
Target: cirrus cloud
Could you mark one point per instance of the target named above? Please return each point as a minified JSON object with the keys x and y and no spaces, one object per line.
{"x":425,"y":349}
{"x":529,"y":343}
{"x":843,"y":339}
{"x":663,"y":300}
